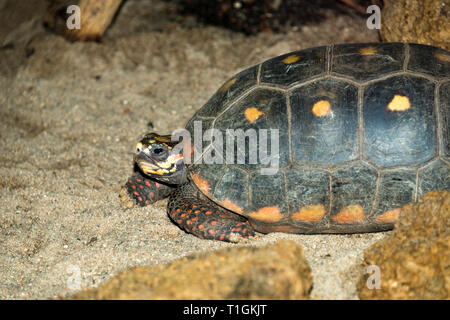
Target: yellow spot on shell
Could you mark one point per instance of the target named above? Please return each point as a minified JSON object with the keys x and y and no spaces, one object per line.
{"x":230,"y":205}
{"x":228,"y":85}
{"x":368,"y":50}
{"x":312,"y":213}
{"x":351,"y":214}
{"x":442,"y":56}
{"x":252,"y":114}
{"x":321,"y":108}
{"x":291,"y":59}
{"x":389,"y":216}
{"x":399,"y":103}
{"x":201,"y":183}
{"x":267,"y":214}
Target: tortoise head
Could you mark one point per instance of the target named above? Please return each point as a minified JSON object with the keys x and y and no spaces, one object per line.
{"x":156,"y":157}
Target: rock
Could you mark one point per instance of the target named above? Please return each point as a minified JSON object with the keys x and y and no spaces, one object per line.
{"x":418,"y":21}
{"x":276,"y":271}
{"x":414,"y":261}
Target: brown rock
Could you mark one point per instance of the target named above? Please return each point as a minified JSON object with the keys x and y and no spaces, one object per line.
{"x":418,"y":21}
{"x":414,"y":261}
{"x":95,"y":18}
{"x":277,"y":271}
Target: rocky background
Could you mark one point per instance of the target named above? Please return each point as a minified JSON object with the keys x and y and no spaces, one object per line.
{"x":71,"y":113}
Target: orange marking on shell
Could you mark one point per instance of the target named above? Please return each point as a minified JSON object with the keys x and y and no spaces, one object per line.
{"x":311,"y":213}
{"x":200,"y":227}
{"x":147,"y":183}
{"x":213,"y":223}
{"x":291,"y":59}
{"x":252,"y":114}
{"x":368,"y":50}
{"x":321,"y":108}
{"x":157,"y":184}
{"x":442,"y":56}
{"x":228,"y":85}
{"x":211,"y":231}
{"x":201,"y":183}
{"x":389,"y":216}
{"x":399,"y":103}
{"x":230,"y":205}
{"x":267,"y":214}
{"x":350,"y":214}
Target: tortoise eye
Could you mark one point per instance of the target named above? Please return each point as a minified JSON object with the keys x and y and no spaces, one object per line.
{"x":158,"y":151}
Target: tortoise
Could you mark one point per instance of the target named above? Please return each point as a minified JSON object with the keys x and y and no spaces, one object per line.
{"x":361,"y":130}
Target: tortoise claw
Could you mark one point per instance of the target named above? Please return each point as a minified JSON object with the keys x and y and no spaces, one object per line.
{"x":127,"y":201}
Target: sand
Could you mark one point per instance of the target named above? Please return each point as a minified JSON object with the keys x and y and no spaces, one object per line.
{"x":71,"y":114}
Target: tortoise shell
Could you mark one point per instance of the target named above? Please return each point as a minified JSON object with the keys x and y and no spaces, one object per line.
{"x":362,"y":130}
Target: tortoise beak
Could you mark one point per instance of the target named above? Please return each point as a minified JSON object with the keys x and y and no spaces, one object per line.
{"x":143,"y":159}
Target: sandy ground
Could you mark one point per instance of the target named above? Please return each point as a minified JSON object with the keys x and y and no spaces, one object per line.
{"x":71,"y":114}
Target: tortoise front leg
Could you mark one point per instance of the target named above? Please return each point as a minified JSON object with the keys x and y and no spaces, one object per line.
{"x":143,"y":191}
{"x":198,"y":215}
